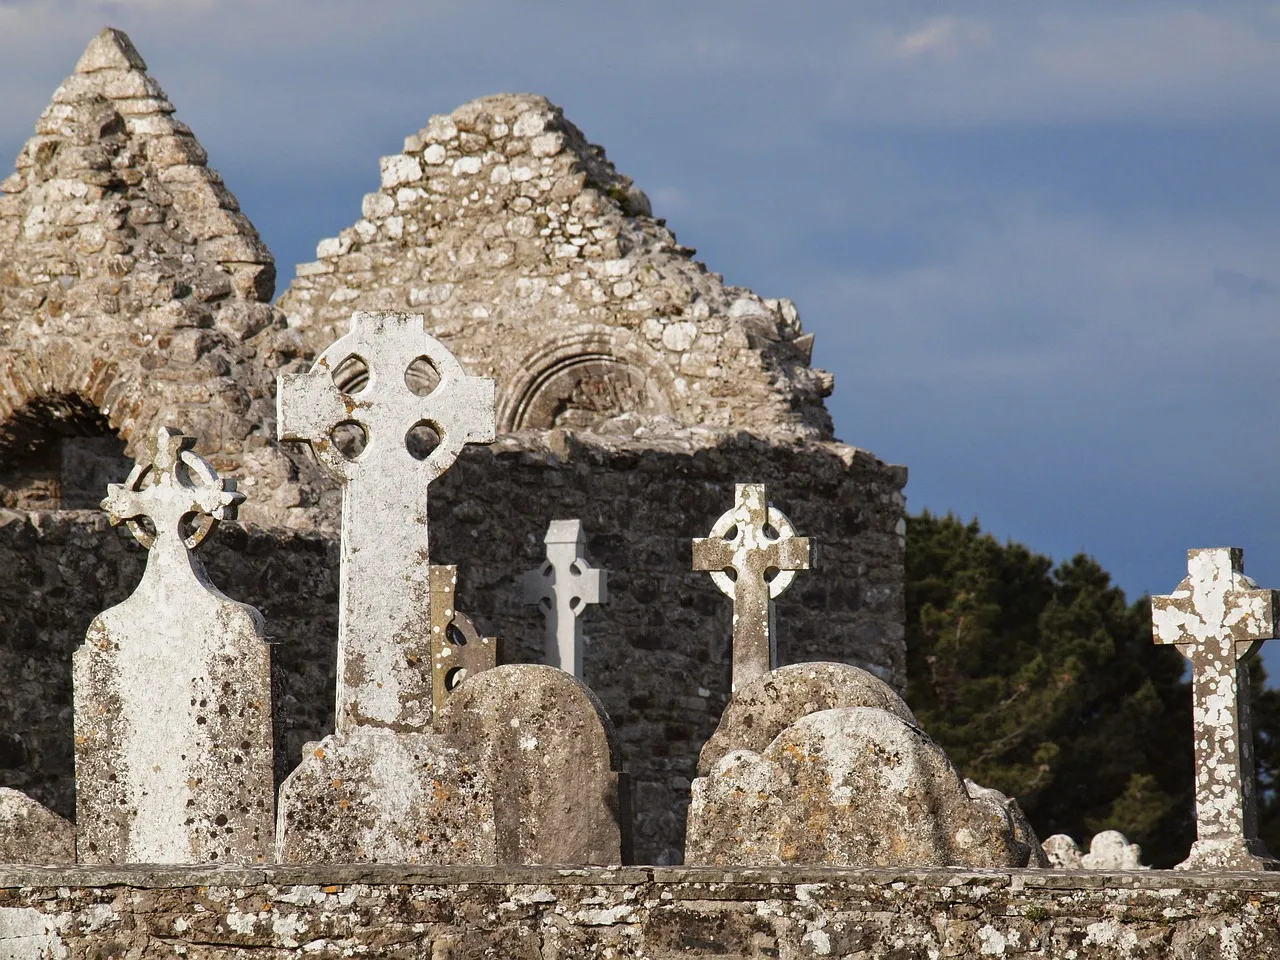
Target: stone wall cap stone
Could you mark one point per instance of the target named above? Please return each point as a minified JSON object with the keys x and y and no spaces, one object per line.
{"x":110,"y":50}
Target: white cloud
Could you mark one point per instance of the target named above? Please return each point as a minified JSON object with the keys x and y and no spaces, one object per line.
{"x":941,"y":36}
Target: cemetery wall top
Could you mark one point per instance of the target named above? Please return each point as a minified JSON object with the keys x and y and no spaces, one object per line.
{"x":654,"y":913}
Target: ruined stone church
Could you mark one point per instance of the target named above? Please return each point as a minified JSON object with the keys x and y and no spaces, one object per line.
{"x":634,"y":387}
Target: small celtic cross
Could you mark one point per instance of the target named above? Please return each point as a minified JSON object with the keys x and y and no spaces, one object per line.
{"x":753,"y":555}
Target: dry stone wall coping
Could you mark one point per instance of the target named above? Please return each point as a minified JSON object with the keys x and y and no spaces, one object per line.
{"x":530,"y":913}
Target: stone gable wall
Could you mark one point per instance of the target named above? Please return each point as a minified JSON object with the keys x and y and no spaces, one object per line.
{"x":541,"y":266}
{"x":657,"y":913}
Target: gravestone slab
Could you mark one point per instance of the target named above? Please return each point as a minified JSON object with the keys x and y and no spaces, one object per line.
{"x":1218,"y":618}
{"x":752,"y":555}
{"x":562,"y":587}
{"x":1109,"y":850}
{"x":380,"y":796}
{"x":173,"y":733}
{"x":32,"y":833}
{"x":849,"y":787}
{"x":550,"y":754}
{"x":770,"y":703}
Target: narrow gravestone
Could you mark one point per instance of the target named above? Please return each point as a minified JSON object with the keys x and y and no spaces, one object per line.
{"x":457,"y":649}
{"x":562,"y":587}
{"x":1218,"y":618}
{"x":173,"y":739}
{"x":753,"y":555}
{"x":384,"y":648}
{"x":383,"y":787}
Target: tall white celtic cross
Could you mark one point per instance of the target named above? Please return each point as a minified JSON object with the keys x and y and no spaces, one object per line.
{"x":752,"y":565}
{"x":384,"y":643}
{"x":1218,"y":618}
{"x":562,"y":587}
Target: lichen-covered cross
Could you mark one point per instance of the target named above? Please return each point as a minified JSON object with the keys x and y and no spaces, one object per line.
{"x":185,"y":491}
{"x":562,"y":587}
{"x":384,"y":585}
{"x":1218,"y":618}
{"x":753,"y":555}
{"x":457,"y":649}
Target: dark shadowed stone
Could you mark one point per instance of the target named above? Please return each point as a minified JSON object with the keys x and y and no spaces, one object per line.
{"x":32,"y":833}
{"x":548,"y":749}
{"x":769,"y":704}
{"x":379,"y":796}
{"x":854,"y":786}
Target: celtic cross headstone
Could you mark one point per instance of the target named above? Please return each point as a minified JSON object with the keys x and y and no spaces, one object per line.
{"x":173,"y":734}
{"x":1218,"y":618}
{"x":384,"y":645}
{"x":753,"y":555}
{"x":562,"y":587}
{"x":457,"y":649}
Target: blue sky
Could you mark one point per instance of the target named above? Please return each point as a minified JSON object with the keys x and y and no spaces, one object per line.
{"x":1039,"y":243}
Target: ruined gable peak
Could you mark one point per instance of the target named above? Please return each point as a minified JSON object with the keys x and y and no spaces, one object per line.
{"x":110,"y":50}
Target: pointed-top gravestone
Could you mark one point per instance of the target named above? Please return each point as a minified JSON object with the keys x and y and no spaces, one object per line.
{"x":384,"y":644}
{"x":562,"y":587}
{"x":752,"y":555}
{"x":1218,"y":618}
{"x":173,"y":733}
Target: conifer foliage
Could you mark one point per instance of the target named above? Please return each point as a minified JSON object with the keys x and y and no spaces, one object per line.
{"x":1043,"y":682}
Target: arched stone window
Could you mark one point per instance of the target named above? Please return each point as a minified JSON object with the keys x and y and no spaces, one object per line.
{"x":58,"y":452}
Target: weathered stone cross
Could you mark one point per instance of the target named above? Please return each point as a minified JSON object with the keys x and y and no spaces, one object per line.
{"x":172,"y":688}
{"x":1218,"y":618}
{"x":740,"y":553}
{"x":384,"y":644}
{"x":454,"y":656}
{"x":562,"y":587}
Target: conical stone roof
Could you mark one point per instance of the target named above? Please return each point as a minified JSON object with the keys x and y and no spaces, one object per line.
{"x":543,"y":267}
{"x":132,"y":288}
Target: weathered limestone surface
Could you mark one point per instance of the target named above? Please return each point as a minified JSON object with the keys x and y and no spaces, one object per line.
{"x":544,"y":743}
{"x":663,"y":675}
{"x":374,"y":795}
{"x":280,"y":913}
{"x":173,"y":736}
{"x":541,"y":266}
{"x":771,"y":703}
{"x":32,"y":833}
{"x":133,"y":292}
{"x":853,"y":786}
{"x":1218,"y":618}
{"x":563,"y":588}
{"x":1108,"y":850}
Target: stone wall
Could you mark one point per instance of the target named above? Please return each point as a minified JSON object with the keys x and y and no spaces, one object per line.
{"x":657,"y":913}
{"x":542,"y":266}
{"x":659,"y":651}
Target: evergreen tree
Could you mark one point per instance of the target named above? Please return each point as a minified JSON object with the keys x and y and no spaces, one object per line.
{"x":1044,"y":683}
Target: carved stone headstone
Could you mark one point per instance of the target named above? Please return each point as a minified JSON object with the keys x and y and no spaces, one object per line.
{"x":850,"y":787}
{"x":823,"y":764}
{"x":545,"y":744}
{"x":1218,"y":618}
{"x":173,"y":736}
{"x":562,"y":587}
{"x":383,"y":787}
{"x":752,"y":555}
{"x":384,"y":586}
{"x":32,"y":833}
{"x":457,"y":649}
{"x":1109,"y":850}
